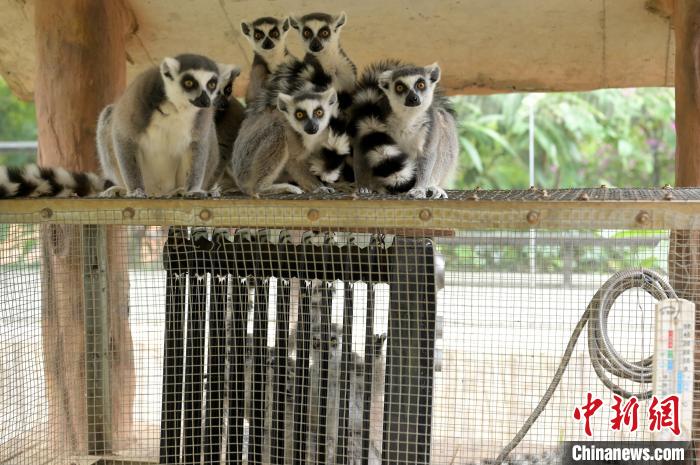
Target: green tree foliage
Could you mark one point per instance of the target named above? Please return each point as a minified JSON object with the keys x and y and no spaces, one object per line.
{"x":618,"y":137}
{"x":17,"y":123}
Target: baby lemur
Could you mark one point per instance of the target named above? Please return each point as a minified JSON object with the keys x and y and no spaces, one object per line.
{"x":280,"y":142}
{"x":267,"y":36}
{"x":404,"y":130}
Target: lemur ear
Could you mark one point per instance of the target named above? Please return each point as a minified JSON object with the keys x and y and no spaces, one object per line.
{"x":331,"y":96}
{"x":245,"y":28}
{"x":169,"y":67}
{"x":283,"y":102}
{"x":385,"y":80}
{"x":339,"y":21}
{"x":285,"y":24}
{"x":434,"y":72}
{"x":227,"y":72}
{"x":294,"y":22}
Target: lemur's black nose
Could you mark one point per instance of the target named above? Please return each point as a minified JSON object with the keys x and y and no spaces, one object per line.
{"x":267,"y":44}
{"x":316,"y":45}
{"x":412,"y":99}
{"x":202,"y":101}
{"x":310,"y":127}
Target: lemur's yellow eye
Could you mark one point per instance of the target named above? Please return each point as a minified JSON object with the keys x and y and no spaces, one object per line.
{"x":188,"y":83}
{"x":307,"y":33}
{"x":325,"y":33}
{"x":399,"y":88}
{"x":258,"y":35}
{"x":274,"y":34}
{"x":318,"y":113}
{"x":299,"y":115}
{"x":211,"y":85}
{"x":420,"y":85}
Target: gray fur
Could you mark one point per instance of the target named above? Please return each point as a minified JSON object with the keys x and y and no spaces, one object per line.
{"x":228,"y":118}
{"x":272,"y":144}
{"x":424,"y":134}
{"x":273,"y":32}
{"x":156,"y":138}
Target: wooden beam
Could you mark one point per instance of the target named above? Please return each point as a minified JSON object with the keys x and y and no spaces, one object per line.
{"x":81,"y":68}
{"x":684,"y":251}
{"x":663,"y":8}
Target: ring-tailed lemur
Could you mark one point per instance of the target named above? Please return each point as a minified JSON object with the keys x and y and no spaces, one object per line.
{"x":157,"y":138}
{"x":280,"y":142}
{"x":404,"y":131}
{"x":325,"y":65}
{"x":33,"y":181}
{"x":377,"y":355}
{"x":154,"y":140}
{"x":228,"y":118}
{"x":333,"y":339}
{"x":267,"y":36}
{"x":321,"y":35}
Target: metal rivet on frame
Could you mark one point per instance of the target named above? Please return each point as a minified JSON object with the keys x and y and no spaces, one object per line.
{"x":46,"y":213}
{"x":425,"y":215}
{"x":313,"y":215}
{"x":533,"y":217}
{"x":205,"y":215}
{"x":643,"y":218}
{"x":128,"y":213}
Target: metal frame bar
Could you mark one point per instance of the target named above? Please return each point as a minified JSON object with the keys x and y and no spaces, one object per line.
{"x":97,"y":328}
{"x":427,"y":218}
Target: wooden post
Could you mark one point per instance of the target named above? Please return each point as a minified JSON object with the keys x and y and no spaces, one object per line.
{"x":81,"y":68}
{"x":684,"y":252}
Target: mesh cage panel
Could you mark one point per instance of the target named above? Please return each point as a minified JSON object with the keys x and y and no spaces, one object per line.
{"x":415,"y":332}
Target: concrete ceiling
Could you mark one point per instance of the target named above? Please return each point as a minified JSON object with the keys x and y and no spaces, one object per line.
{"x":483,"y":45}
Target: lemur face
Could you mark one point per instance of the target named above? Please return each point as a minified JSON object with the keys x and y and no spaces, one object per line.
{"x":227,"y":76}
{"x":410,"y":88}
{"x":266,"y":34}
{"x":318,"y":30}
{"x":309,"y":112}
{"x":190,"y":80}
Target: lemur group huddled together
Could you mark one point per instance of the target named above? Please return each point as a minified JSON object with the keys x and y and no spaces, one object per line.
{"x":310,"y":126}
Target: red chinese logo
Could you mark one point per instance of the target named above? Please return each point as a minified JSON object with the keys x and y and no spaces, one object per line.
{"x":588,"y":411}
{"x":664,"y":414}
{"x":625,"y":415}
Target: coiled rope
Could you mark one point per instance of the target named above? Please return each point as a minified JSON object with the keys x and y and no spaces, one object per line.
{"x":604,"y":358}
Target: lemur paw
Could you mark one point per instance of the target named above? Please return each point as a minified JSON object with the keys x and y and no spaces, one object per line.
{"x":137,"y":193}
{"x":435,"y":192}
{"x":195,"y":194}
{"x":291,"y":189}
{"x":417,"y":193}
{"x":323,"y":190}
{"x":432,"y":192}
{"x":112,"y":192}
{"x":364,"y":191}
{"x":215,"y":192}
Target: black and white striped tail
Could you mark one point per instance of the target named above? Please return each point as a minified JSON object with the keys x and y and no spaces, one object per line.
{"x":33,"y":181}
{"x":391,"y":167}
{"x":334,"y":162}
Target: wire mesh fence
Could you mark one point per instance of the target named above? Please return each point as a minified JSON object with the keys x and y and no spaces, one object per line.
{"x":329,"y":331}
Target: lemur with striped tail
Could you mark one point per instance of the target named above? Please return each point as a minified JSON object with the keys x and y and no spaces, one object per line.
{"x":404,"y":131}
{"x":158,"y":138}
{"x":267,"y":36}
{"x":325,"y":65}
